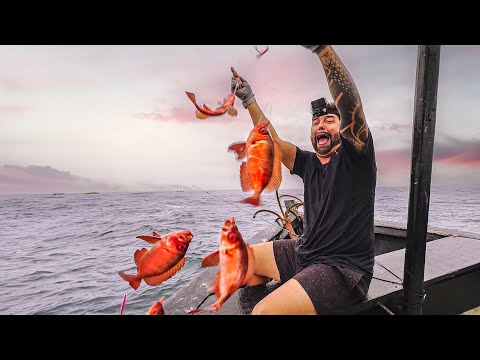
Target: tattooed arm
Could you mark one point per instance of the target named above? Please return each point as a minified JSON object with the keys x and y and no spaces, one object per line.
{"x":353,"y":125}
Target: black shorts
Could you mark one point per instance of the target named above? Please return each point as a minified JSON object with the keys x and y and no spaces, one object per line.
{"x":331,"y":289}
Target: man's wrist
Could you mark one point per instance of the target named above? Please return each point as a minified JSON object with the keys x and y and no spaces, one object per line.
{"x":315,"y":48}
{"x":318,"y":49}
{"x":250,"y":100}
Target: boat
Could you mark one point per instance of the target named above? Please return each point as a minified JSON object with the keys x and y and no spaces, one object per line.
{"x":452,"y":272}
{"x":418,"y":270}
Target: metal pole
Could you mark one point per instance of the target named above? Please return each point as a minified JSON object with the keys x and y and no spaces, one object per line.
{"x":420,"y":176}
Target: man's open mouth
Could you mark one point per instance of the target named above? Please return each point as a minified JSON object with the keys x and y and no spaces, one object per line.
{"x":323,"y":139}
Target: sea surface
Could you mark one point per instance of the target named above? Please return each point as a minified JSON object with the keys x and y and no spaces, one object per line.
{"x":61,"y":253}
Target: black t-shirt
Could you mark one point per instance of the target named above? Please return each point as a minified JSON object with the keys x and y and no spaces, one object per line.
{"x":338,"y":208}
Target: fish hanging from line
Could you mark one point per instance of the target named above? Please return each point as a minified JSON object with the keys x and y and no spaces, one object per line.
{"x":260,"y":53}
{"x":237,"y":264}
{"x":164,"y":259}
{"x":227,"y":106}
{"x":262,"y":171}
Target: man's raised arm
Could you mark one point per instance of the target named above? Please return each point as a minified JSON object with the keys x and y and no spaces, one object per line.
{"x":353,"y":125}
{"x":245,"y":93}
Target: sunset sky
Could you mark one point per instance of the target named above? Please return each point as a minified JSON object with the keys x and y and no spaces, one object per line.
{"x":116,"y":118}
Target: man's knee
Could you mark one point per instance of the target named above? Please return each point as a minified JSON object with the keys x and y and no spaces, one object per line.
{"x":260,"y":309}
{"x":265,"y":264}
{"x":258,"y":280}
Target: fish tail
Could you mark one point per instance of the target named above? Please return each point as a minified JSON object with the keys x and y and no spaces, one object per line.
{"x":253,"y":200}
{"x":132,"y":279}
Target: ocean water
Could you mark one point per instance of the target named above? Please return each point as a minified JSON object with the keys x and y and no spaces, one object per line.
{"x":61,"y":253}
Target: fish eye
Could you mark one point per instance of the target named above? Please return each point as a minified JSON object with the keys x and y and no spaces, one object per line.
{"x":263,"y":130}
{"x":181,"y":247}
{"x":232,"y":237}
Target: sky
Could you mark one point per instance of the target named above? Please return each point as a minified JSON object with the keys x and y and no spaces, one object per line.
{"x":81,"y":118}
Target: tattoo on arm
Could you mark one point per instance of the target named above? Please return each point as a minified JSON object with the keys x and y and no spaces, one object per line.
{"x":353,"y":125}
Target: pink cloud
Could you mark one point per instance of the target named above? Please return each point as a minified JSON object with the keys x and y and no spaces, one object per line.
{"x":183,"y":115}
{"x":44,"y":179}
{"x":399,"y":128}
{"x":391,"y":162}
{"x":15,"y":109}
{"x":462,"y":155}
{"x":13,"y":85}
{"x":36,"y":83}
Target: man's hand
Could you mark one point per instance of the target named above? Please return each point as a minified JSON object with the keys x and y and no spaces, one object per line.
{"x":244,"y":91}
{"x":314,"y":48}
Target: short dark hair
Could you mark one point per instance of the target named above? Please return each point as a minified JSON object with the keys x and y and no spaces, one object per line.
{"x":321,"y":107}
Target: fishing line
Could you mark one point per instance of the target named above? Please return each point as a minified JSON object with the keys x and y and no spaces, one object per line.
{"x":203,"y":301}
{"x":388,"y":281}
{"x":423,"y":295}
{"x":388,"y":270}
{"x":392,"y":272}
{"x":230,"y":203}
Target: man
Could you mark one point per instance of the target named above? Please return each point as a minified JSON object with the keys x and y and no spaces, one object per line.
{"x":330,"y":266}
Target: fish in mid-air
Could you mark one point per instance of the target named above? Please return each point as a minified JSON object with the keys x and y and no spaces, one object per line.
{"x":164,"y":259}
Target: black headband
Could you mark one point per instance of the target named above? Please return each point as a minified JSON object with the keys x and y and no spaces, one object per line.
{"x":319,"y":108}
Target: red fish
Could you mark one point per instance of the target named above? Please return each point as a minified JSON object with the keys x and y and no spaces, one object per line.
{"x":164,"y":259}
{"x":225,"y":107}
{"x":263,"y":169}
{"x":237,"y":263}
{"x":260,"y":53}
{"x":156,"y":308}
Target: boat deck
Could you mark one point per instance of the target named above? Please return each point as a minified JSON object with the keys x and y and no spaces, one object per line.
{"x":447,"y":259}
{"x":452,"y":275}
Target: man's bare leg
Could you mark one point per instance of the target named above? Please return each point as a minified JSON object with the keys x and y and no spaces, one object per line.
{"x":288,"y":299}
{"x":265,"y":264}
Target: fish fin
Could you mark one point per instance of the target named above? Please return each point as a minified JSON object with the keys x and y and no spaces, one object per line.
{"x":191,"y":96}
{"x":244,"y":178}
{"x":138,"y":255}
{"x":158,"y":279}
{"x":215,"y":285}
{"x":149,"y":239}
{"x":240,"y":148}
{"x":211,"y":260}
{"x":251,"y":265}
{"x":276,"y":178}
{"x":232,"y":111}
{"x":132,"y":279}
{"x":252,"y":200}
{"x":156,"y":308}
{"x":200,"y":115}
{"x":156,"y":234}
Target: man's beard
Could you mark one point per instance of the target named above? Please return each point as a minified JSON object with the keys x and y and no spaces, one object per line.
{"x":324,"y":150}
